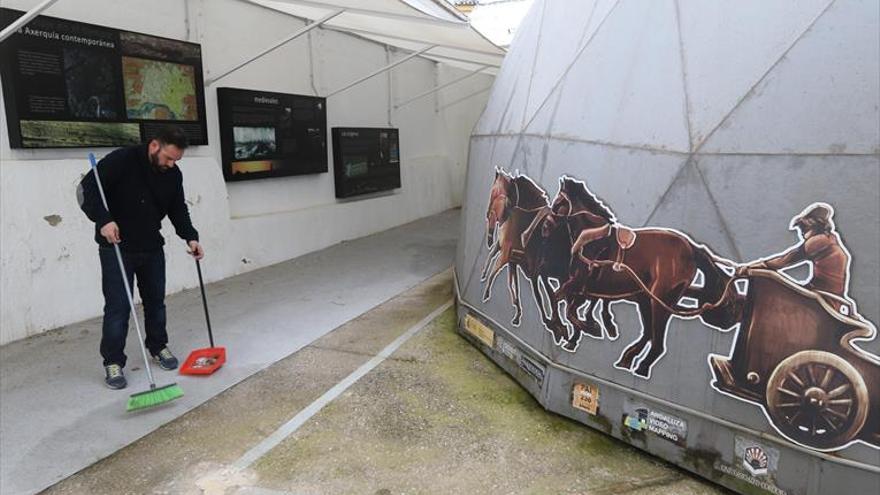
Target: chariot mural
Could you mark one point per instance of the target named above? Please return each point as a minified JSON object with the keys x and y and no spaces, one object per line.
{"x":796,"y":352}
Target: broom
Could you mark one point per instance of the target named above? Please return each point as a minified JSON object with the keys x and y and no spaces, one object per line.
{"x":154,"y":396}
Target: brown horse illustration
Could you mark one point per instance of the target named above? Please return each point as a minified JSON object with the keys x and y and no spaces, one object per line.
{"x":654,"y":272}
{"x":575,"y":298}
{"x":516,"y":207}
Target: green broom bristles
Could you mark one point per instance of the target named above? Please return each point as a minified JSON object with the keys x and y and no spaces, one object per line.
{"x":154,"y":397}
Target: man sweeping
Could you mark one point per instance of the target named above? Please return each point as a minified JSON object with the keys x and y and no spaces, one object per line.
{"x":142,"y":185}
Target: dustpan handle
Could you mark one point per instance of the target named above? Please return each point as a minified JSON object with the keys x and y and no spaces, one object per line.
{"x":205,"y":303}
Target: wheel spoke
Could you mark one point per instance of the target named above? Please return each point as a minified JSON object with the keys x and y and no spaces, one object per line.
{"x":789,"y":392}
{"x":811,"y":375}
{"x":837,"y":392}
{"x":794,"y":418}
{"x":828,"y":421}
{"x":826,"y":379}
{"x":787,"y":405}
{"x":840,"y":402}
{"x":836,"y":414}
{"x":813,"y":426}
{"x":795,"y":378}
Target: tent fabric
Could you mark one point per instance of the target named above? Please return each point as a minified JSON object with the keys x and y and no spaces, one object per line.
{"x":406,"y":24}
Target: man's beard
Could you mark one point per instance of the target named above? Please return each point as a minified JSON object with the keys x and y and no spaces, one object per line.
{"x":154,"y":161}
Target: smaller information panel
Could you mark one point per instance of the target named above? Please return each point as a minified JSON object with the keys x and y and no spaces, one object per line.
{"x":265,"y":134}
{"x":365,"y":160}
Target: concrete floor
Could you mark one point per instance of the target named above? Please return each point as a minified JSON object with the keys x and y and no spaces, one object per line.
{"x":56,"y":416}
{"x":435,"y":417}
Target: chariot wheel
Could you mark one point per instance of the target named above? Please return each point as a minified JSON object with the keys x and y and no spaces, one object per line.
{"x":818,"y":399}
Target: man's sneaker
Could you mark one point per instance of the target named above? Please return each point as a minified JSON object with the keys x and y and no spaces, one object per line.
{"x":114,"y":377}
{"x":166,"y":360}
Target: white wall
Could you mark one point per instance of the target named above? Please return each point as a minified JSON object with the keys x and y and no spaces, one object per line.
{"x":50,"y":273}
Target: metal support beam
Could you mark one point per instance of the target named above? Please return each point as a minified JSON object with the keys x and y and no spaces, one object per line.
{"x":376,"y":38}
{"x":456,"y":102}
{"x":26,"y":18}
{"x":369,"y":32}
{"x":420,"y":17}
{"x":438,"y":88}
{"x":380,"y":71}
{"x":366,"y":32}
{"x":286,"y":40}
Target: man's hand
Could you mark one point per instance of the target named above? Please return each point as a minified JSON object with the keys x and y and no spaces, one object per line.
{"x":110,"y":231}
{"x":196,"y":250}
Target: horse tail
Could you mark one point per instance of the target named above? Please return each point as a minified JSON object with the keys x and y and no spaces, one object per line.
{"x":719,"y":305}
{"x":715,"y":280}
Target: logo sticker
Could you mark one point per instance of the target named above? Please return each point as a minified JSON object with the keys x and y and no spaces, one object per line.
{"x":640,"y":417}
{"x":506,"y":348}
{"x":534,"y":369}
{"x":755,"y":460}
{"x":755,"y":463}
{"x":510,"y":351}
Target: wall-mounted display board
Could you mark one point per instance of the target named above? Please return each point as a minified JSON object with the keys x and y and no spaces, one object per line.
{"x":69,"y":84}
{"x":265,"y":134}
{"x":365,"y":160}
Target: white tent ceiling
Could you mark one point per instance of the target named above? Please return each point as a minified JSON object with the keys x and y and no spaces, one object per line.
{"x":408,"y":24}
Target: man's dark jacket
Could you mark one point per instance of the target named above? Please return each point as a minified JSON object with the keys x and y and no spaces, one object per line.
{"x":139,"y":196}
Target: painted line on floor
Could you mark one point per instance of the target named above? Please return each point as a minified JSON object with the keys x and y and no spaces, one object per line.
{"x":294,"y":423}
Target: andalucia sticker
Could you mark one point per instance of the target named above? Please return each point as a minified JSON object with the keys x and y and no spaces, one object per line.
{"x":640,"y":417}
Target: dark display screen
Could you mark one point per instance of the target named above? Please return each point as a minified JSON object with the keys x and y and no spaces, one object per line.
{"x":365,"y":160}
{"x":69,"y":84}
{"x":266,"y":134}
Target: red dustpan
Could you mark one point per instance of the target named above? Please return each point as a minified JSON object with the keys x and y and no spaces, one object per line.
{"x":208,"y":360}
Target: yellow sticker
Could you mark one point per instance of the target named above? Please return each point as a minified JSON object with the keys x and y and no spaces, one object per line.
{"x":585,"y":396}
{"x":476,"y":328}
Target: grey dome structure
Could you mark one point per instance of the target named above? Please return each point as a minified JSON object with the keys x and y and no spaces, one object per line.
{"x":719,"y":124}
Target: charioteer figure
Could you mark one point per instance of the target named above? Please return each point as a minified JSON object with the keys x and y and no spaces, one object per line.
{"x":821,"y":246}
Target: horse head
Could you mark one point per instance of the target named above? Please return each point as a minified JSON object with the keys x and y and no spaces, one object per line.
{"x":499,"y":203}
{"x":580,"y":199}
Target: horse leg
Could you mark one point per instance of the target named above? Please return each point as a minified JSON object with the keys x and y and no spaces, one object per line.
{"x":588,"y":325}
{"x":554,"y":322}
{"x":513,"y":287}
{"x":580,"y":327}
{"x":493,"y":252}
{"x":607,"y":319}
{"x":536,"y":283}
{"x":659,"y":319}
{"x":578,"y":298}
{"x":500,"y":262}
{"x":629,"y":354}
{"x":577,"y":327}
{"x":567,"y":290}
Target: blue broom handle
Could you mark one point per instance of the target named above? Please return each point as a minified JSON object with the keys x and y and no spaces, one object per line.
{"x":137,"y":325}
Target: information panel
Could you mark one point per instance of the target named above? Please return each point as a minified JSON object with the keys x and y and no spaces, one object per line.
{"x":265,"y":134}
{"x":365,"y":160}
{"x":69,"y":84}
